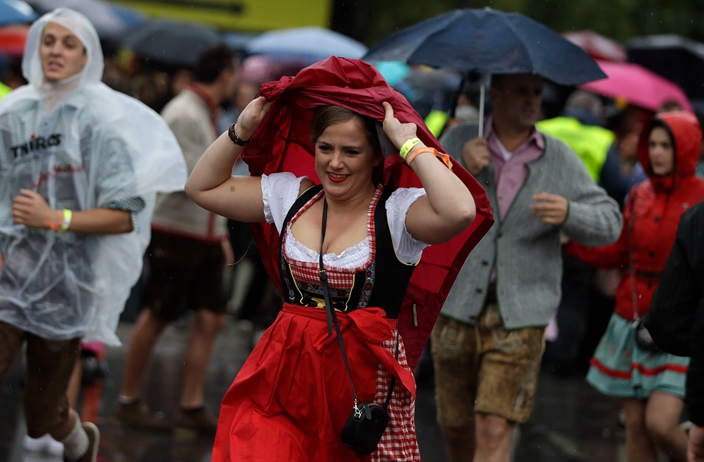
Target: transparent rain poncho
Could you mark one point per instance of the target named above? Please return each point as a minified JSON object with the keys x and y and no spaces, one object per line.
{"x":81,"y":146}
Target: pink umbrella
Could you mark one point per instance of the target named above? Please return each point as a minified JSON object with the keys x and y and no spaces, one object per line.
{"x":597,"y":46}
{"x":637,"y":85}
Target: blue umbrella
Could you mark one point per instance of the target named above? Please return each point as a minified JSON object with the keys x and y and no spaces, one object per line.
{"x":238,"y":40}
{"x":489,"y":42}
{"x":129,"y":16}
{"x":15,"y":12}
{"x":393,"y":71}
{"x":107,"y":22}
{"x":310,"y":44}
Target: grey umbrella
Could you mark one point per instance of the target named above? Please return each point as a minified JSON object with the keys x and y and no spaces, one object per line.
{"x":169,"y":42}
{"x":105,"y":20}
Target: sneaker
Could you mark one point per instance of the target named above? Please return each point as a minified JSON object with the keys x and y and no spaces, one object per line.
{"x":53,"y":447}
{"x":45,"y":444}
{"x":200,"y":420}
{"x":35,"y":444}
{"x":91,"y":454}
{"x":686,"y":426}
{"x":137,"y":414}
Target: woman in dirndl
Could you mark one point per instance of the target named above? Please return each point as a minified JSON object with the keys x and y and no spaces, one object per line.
{"x":626,"y":363}
{"x":293,"y":396}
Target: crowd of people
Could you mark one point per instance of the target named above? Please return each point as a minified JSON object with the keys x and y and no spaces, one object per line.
{"x":570,"y":222}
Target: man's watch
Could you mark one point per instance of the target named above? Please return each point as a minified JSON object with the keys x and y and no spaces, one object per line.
{"x":236,"y":139}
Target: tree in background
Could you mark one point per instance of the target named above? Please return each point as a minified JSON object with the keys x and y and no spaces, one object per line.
{"x":371,"y":20}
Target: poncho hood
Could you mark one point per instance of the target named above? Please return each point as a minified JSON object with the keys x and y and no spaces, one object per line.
{"x":81,"y":27}
{"x":687,"y":140}
{"x":281,"y":144}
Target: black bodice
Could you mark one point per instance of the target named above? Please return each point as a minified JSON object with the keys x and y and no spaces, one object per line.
{"x":383,"y":284}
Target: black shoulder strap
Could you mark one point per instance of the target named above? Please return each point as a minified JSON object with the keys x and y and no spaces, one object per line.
{"x":331,"y":315}
{"x":302,"y":200}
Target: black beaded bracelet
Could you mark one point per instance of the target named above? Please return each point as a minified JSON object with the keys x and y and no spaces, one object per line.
{"x":236,"y":139}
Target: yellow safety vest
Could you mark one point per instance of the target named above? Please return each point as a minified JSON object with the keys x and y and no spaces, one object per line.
{"x":436,"y":121}
{"x":590,"y":143}
{"x":4,"y":90}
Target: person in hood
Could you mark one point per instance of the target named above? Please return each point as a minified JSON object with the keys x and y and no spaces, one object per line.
{"x":626,"y":363}
{"x":80,"y":166}
{"x":294,"y":389}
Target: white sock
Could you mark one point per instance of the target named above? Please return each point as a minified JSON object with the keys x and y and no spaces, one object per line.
{"x":76,"y":443}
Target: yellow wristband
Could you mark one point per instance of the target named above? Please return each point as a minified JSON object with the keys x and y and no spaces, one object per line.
{"x":407,"y":146}
{"x":66,"y":219}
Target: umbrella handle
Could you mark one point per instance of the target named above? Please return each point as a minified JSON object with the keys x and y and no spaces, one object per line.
{"x":482,"y":91}
{"x":456,"y":96}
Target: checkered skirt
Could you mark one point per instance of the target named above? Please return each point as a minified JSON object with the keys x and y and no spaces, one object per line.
{"x":398,"y":443}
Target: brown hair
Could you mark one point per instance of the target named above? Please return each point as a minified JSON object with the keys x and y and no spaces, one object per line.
{"x":331,"y":115}
{"x":670,"y":106}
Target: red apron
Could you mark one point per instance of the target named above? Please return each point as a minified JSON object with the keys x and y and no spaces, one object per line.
{"x":292,"y":397}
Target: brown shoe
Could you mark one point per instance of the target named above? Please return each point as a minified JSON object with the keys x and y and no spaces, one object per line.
{"x":91,"y":454}
{"x":137,"y":414}
{"x":200,"y":420}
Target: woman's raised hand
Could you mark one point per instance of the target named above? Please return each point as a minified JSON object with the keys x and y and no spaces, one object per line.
{"x":397,"y":132}
{"x":251,"y":117}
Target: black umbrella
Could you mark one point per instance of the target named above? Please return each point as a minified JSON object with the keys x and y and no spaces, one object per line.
{"x":169,"y":42}
{"x":489,"y":42}
{"x":676,"y":58}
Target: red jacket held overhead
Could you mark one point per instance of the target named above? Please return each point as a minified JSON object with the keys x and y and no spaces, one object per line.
{"x":281,"y":144}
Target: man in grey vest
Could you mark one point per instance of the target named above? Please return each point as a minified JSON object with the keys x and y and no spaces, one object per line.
{"x":489,"y":339}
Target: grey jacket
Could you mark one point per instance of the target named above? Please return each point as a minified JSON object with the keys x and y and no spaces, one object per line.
{"x":526,"y":252}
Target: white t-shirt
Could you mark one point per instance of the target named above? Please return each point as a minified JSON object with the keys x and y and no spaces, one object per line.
{"x":504,"y":152}
{"x":280,"y":191}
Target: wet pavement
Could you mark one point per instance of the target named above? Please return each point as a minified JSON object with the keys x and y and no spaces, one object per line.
{"x":571,"y":422}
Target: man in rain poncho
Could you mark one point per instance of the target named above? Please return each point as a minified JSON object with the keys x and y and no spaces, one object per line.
{"x":80,"y":166}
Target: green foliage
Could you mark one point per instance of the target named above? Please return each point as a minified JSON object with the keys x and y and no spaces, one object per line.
{"x":371,"y":20}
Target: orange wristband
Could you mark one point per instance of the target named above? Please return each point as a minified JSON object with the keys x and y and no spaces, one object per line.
{"x":52,"y":226}
{"x":444,"y":158}
{"x":412,"y":155}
